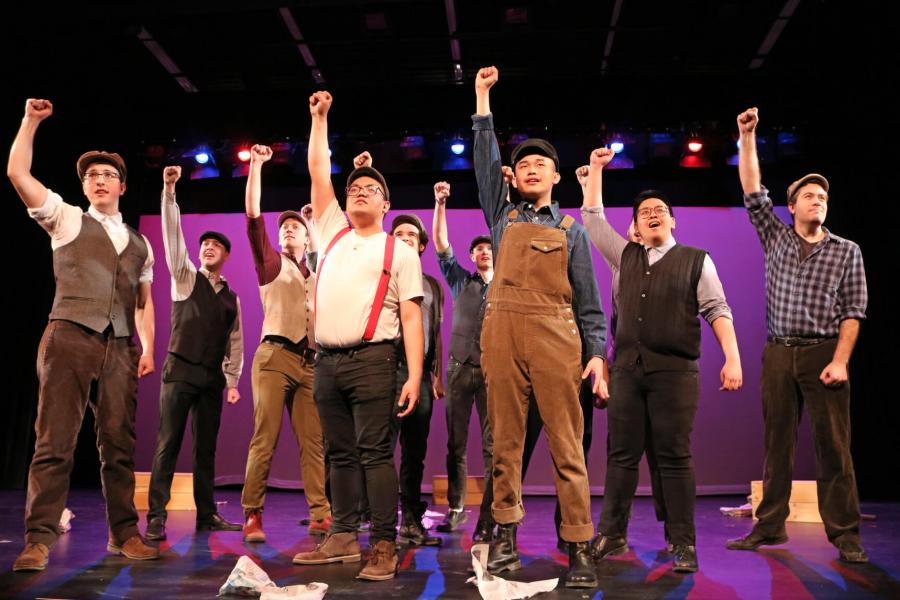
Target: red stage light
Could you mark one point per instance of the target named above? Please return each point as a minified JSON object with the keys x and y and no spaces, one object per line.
{"x":244,"y":154}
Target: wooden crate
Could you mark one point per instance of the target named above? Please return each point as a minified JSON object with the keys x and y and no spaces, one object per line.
{"x":474,"y":490}
{"x":182,"y":492}
{"x":804,"y":502}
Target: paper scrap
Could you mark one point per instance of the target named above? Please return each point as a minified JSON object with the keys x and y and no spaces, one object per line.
{"x":492,"y":587}
{"x":249,"y":580}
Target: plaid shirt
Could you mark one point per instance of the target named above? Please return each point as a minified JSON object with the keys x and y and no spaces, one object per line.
{"x":809,"y":298}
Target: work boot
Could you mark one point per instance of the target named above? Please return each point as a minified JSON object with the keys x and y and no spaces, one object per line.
{"x":253,"y":527}
{"x":851,"y":552}
{"x":156,"y":529}
{"x":754,"y":540}
{"x":503,"y":555}
{"x":455,"y":517}
{"x":133,"y":548}
{"x":217,"y":522}
{"x":337,"y":547}
{"x":320,"y":526}
{"x":382,"y":563}
{"x":604,"y":546}
{"x":484,"y":531}
{"x":685,"y":559}
{"x":581,"y":572}
{"x":32,"y":558}
{"x":412,"y":532}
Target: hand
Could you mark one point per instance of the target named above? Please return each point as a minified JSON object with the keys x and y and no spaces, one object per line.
{"x":731,"y":376}
{"x":508,"y":175}
{"x":748,"y":120}
{"x":307,"y":212}
{"x":601,"y":157}
{"x":437,"y":388}
{"x":834,"y":374}
{"x":409,"y":397}
{"x":319,"y":103}
{"x":362,"y":160}
{"x":233,"y":395}
{"x":38,"y":109}
{"x":171,"y":175}
{"x":486,"y":78}
{"x":581,"y":174}
{"x":260,"y":154}
{"x":441,"y":192}
{"x":145,"y":365}
{"x":595,"y":367}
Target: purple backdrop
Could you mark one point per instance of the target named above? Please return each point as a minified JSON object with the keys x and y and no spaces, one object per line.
{"x":727,"y":432}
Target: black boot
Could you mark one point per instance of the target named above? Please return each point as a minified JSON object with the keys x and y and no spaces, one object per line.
{"x":504,"y":556}
{"x":484,"y":531}
{"x":412,"y":532}
{"x":581,"y":566}
{"x":604,"y":546}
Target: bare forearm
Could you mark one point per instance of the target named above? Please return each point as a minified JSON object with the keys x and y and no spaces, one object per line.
{"x":482,"y":102}
{"x":254,"y":190}
{"x":847,"y":335}
{"x":439,"y":228}
{"x":145,"y":320}
{"x":593,"y":193}
{"x":319,"y":165}
{"x":723,"y":327}
{"x":413,"y":338}
{"x":18,"y":168}
{"x":748,"y":164}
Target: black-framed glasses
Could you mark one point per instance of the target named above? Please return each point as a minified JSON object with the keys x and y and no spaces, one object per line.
{"x":370,"y":190}
{"x":104,"y":175}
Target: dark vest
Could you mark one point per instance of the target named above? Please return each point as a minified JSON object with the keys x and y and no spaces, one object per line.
{"x":201,"y":324}
{"x":468,"y":314}
{"x":657,"y":309}
{"x":95,"y":286}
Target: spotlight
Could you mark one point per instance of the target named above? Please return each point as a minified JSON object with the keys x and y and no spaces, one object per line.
{"x":243,"y":154}
{"x":457,"y":147}
{"x":617,"y":146}
{"x":201,"y":157}
{"x":695,"y":145}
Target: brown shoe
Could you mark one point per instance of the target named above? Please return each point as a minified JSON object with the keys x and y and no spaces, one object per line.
{"x":134,"y":548}
{"x":32,"y":558}
{"x":382,"y":564}
{"x":337,"y":547}
{"x":253,"y":531}
{"x":320,"y":526}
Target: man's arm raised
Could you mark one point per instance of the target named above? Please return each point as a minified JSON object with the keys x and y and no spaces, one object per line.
{"x":18,"y":169}
{"x":439,"y":221}
{"x":748,"y":162}
{"x":259,"y":154}
{"x":322,"y":191}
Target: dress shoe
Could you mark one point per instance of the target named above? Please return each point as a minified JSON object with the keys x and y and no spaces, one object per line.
{"x":851,"y":552}
{"x":320,"y":526}
{"x":32,"y":558}
{"x":253,"y":531}
{"x":412,"y":533}
{"x":336,"y":547}
{"x":684,"y":559}
{"x":156,"y":529}
{"x":604,"y":546}
{"x":504,"y":556}
{"x":383,"y":562}
{"x":484,"y":531}
{"x":133,"y":548}
{"x":217,"y":523}
{"x":581,"y":572}
{"x":754,"y":540}
{"x":455,"y":518}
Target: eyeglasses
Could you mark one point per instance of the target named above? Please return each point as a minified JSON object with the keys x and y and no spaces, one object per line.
{"x":104,"y":175}
{"x":659,"y":211}
{"x":370,"y":190}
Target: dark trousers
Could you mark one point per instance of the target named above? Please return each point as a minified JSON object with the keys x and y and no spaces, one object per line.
{"x":354,"y":392}
{"x":412,"y":431}
{"x":465,"y":388}
{"x":535,"y":424}
{"x":790,"y":380}
{"x":201,"y":398}
{"x":77,"y":367}
{"x":658,"y":406}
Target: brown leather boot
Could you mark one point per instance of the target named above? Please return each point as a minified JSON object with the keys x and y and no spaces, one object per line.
{"x":382,"y":563}
{"x":320,"y":526}
{"x":134,"y":548}
{"x":337,"y":547}
{"x":32,"y":558}
{"x":253,"y":531}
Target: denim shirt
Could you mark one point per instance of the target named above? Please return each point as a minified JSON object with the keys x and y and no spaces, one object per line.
{"x":492,"y":194}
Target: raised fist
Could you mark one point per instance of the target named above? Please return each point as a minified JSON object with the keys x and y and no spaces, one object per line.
{"x":362,"y":160}
{"x":581,"y":174}
{"x":260,"y":153}
{"x":171,"y":175}
{"x":319,"y":103}
{"x":748,"y":120}
{"x":441,"y":192}
{"x":508,"y":174}
{"x":38,"y":109}
{"x":601,"y":157}
{"x":486,"y":78}
{"x":307,"y":212}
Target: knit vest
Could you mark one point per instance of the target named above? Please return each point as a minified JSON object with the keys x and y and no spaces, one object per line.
{"x":468,"y":314}
{"x":657,"y":309}
{"x":95,"y":286}
{"x":201,"y":324}
{"x":285,"y":300}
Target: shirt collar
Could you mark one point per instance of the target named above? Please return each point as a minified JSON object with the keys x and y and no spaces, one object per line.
{"x":205,"y":272}
{"x":100,"y":217}
{"x":664,"y":247}
{"x":553,"y":208}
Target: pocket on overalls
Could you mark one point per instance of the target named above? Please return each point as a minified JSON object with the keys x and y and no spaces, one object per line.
{"x":547,"y":265}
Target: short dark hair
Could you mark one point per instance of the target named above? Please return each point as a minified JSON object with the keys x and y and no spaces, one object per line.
{"x":647,"y":194}
{"x":481,"y":239}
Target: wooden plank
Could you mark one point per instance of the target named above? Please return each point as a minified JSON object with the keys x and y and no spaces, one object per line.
{"x":182,"y":497}
{"x":803,"y":503}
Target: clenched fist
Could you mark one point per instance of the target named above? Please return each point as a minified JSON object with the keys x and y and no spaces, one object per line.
{"x":319,"y":103}
{"x":508,"y":174}
{"x":441,"y":192}
{"x":171,"y":175}
{"x":362,"y":160}
{"x":486,"y":78}
{"x":581,"y":174}
{"x":748,"y":120}
{"x":38,"y":109}
{"x":260,"y":153}
{"x":601,"y":157}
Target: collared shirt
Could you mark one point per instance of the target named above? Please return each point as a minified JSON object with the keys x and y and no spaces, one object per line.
{"x":710,"y":293}
{"x":469,"y":291}
{"x":63,"y":222}
{"x":184,"y":276}
{"x":266,"y":259}
{"x":810,"y":297}
{"x":492,"y":195}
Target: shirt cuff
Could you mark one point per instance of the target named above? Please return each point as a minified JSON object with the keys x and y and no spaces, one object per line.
{"x":482,"y":122}
{"x":446,"y":254}
{"x":757,"y":198}
{"x":51,"y":202}
{"x":593,"y":210}
{"x":230,"y":381}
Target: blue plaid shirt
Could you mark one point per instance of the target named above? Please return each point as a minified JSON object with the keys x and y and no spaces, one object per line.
{"x":809,"y":298}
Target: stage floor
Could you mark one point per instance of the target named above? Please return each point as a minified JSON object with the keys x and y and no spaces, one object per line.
{"x":195,"y":565}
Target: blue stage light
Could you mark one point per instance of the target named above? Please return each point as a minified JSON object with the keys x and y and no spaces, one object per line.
{"x":457,"y":147}
{"x":201,"y":158}
{"x":617,"y":146}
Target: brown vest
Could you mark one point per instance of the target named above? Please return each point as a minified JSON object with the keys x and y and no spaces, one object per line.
{"x":95,"y":286}
{"x":286,"y":304}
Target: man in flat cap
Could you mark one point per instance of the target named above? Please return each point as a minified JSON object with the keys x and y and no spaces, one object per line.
{"x":816,"y":296}
{"x":103,"y":270}
{"x":206,"y":355}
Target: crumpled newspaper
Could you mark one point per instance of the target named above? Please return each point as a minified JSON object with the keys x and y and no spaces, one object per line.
{"x":744,"y":510}
{"x":492,"y":587}
{"x":249,"y":580}
{"x":65,"y":520}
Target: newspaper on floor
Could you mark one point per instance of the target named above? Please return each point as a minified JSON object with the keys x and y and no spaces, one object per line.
{"x":65,"y":520}
{"x":249,"y":580}
{"x":744,"y":510}
{"x":492,"y":587}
